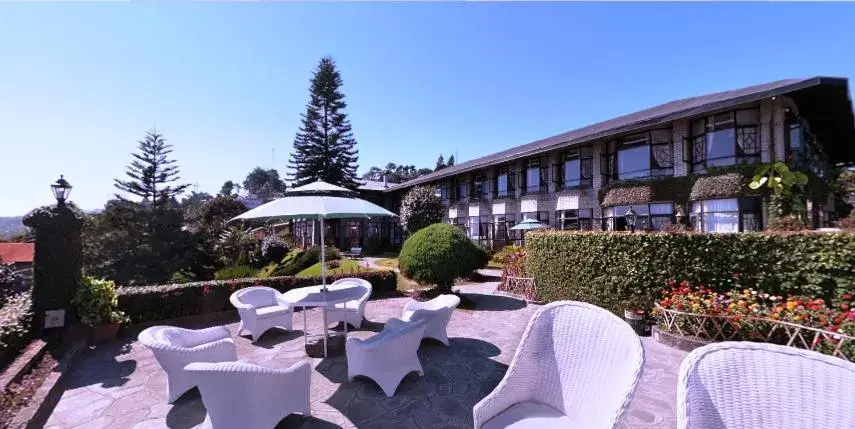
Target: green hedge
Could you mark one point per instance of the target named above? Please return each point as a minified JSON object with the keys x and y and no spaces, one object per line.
{"x":607,"y":269}
{"x":16,"y":318}
{"x":162,"y":302}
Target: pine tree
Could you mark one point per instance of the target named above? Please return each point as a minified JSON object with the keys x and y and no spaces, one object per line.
{"x":440,"y":163}
{"x":324,"y":147}
{"x":152,"y":174}
{"x":450,"y":161}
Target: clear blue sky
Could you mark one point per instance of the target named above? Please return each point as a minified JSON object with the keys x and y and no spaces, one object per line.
{"x":80,"y":83}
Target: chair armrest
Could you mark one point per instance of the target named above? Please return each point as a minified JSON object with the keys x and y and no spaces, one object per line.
{"x":207,"y":335}
{"x":284,"y":303}
{"x":514,"y":388}
{"x":413,"y":305}
{"x":221,"y":350}
{"x":394,"y":324}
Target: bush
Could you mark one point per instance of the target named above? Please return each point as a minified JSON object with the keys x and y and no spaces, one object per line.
{"x":788,"y":222}
{"x":608,"y":269}
{"x":235,"y":272}
{"x":847,"y":223}
{"x":162,"y":302}
{"x":273,"y":248}
{"x":420,"y":207}
{"x":501,"y":257}
{"x":298,"y":260}
{"x":439,"y":254}
{"x":96,"y":302}
{"x":16,"y":317}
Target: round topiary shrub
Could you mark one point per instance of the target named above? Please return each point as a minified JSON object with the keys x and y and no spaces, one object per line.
{"x":439,"y":254}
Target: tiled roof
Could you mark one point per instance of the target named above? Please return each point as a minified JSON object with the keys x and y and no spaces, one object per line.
{"x":16,"y":252}
{"x":644,"y":118}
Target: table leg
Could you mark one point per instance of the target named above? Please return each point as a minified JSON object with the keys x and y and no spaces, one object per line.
{"x":345,"y":321}
{"x":325,"y":331}
{"x":305,"y":330}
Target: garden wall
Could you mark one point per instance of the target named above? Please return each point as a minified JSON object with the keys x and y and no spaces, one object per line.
{"x":161,"y":302}
{"x":607,"y":269}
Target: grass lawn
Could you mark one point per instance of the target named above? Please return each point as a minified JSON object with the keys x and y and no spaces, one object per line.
{"x":388,"y":262}
{"x":347,"y":266}
{"x":494,"y":265}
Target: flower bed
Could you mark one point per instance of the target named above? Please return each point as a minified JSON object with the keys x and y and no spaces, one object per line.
{"x":514,"y":280}
{"x":748,"y":315}
{"x":161,"y":302}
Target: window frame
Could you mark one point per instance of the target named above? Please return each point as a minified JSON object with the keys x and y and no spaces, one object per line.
{"x":698,"y":147}
{"x":583,"y":223}
{"x":585,"y":156}
{"x":745,"y":206}
{"x":542,"y":167}
{"x":509,"y":174}
{"x":610,"y":161}
{"x":645,"y":221}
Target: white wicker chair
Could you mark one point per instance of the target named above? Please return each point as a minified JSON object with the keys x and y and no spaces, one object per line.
{"x":437,"y":312}
{"x":261,"y":308}
{"x":577,"y":366}
{"x":351,"y":312}
{"x":174,"y":348}
{"x":243,"y":395}
{"x":742,"y":385}
{"x":386,"y":357}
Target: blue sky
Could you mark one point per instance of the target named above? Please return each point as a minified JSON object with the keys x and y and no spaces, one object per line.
{"x":225,"y":83}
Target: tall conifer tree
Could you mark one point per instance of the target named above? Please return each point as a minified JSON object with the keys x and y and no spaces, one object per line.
{"x":324,"y":147}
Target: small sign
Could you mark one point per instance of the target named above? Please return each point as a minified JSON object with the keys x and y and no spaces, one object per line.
{"x":54,"y":319}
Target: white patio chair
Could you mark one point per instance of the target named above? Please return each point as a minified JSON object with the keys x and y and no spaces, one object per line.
{"x":243,"y":395}
{"x":174,"y":348}
{"x":261,"y":308}
{"x":742,"y":385}
{"x":577,"y":366}
{"x":437,"y":312}
{"x":386,"y":357}
{"x":351,"y":312}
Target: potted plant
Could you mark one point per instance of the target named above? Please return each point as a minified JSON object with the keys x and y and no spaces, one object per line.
{"x":634,"y":313}
{"x":97,"y":305}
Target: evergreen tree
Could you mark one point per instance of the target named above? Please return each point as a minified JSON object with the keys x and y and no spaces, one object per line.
{"x":324,"y":147}
{"x":450,"y":161}
{"x":228,"y":189}
{"x":440,"y":163}
{"x":264,"y":184}
{"x":152,"y":174}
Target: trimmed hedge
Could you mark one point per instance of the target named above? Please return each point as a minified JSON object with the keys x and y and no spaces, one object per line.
{"x":162,"y":302}
{"x":609,"y":269}
{"x":16,"y":319}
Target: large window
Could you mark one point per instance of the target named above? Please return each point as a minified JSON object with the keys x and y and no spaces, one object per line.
{"x":581,"y":219}
{"x":647,"y":154}
{"x":803,"y":150}
{"x":503,"y":233}
{"x":461,"y":189}
{"x":576,"y":169}
{"x":727,"y":215}
{"x":504,"y":183}
{"x":444,"y":191}
{"x":651,"y":217}
{"x":479,"y":189}
{"x":726,"y":139}
{"x":534,"y":176}
{"x":479,"y":227}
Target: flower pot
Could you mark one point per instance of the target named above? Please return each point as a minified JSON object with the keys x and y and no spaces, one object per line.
{"x":101,"y":334}
{"x":635,"y":318}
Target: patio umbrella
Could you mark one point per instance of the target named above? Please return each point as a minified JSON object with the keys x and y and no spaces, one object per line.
{"x":318,"y":199}
{"x":528,"y":224}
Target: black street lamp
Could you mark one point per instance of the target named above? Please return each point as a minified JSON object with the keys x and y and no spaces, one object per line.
{"x":631,"y":216}
{"x":679,"y":215}
{"x":61,"y":188}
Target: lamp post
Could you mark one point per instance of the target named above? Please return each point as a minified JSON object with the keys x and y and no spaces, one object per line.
{"x":679,"y":215}
{"x":61,"y":188}
{"x":631,"y":217}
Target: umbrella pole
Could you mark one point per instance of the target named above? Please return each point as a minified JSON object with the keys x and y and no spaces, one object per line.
{"x":323,"y":278}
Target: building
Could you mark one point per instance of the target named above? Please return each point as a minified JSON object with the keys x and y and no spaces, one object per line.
{"x":18,"y":255}
{"x":684,"y":159}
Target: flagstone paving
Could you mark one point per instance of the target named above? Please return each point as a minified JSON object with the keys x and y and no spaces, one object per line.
{"x":121,"y":385}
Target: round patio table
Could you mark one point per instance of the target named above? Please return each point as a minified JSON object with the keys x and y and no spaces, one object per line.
{"x":314,"y":296}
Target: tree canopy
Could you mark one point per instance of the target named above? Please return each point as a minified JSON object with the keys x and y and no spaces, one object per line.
{"x":395,"y":173}
{"x":153,"y":175}
{"x":264,"y":184}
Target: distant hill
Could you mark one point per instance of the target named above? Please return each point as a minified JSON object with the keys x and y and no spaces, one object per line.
{"x":11,"y":226}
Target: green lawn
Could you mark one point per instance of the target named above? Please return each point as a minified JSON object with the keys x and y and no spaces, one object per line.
{"x":388,"y":262}
{"x":347,"y":266}
{"x":494,"y":265}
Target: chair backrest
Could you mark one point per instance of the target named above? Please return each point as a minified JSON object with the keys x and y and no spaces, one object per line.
{"x":736,"y":385}
{"x":162,"y":335}
{"x":256,"y":296}
{"x":583,"y":361}
{"x":442,"y":302}
{"x":407,"y":338}
{"x":362,"y":283}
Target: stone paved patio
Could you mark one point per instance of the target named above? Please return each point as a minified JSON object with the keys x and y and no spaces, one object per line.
{"x":121,"y":385}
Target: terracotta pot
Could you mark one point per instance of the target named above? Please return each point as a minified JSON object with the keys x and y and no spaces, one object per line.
{"x":101,"y":334}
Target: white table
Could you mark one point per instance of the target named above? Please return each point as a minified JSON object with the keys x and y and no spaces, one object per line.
{"x":314,"y":296}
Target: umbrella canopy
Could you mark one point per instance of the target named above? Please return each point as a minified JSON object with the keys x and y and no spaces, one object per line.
{"x":313,"y":206}
{"x":318,"y":188}
{"x":528,"y":224}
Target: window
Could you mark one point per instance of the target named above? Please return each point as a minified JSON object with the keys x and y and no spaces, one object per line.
{"x":576,"y":169}
{"x":462,"y":189}
{"x":581,"y":219}
{"x":460,"y":222}
{"x":727,"y":215}
{"x":651,"y":217}
{"x":504,"y":183}
{"x":726,"y":139}
{"x":543,"y":217}
{"x":647,"y":154}
{"x":534,"y":177}
{"x":479,"y":229}
{"x":443,"y":191}
{"x":803,"y":151}
{"x":479,"y":189}
{"x":503,"y":225}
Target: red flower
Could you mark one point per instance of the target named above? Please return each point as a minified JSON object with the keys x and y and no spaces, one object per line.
{"x":846,"y":297}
